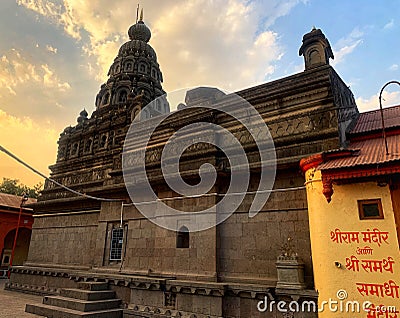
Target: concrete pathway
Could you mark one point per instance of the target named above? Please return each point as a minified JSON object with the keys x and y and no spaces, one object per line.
{"x":12,"y":304}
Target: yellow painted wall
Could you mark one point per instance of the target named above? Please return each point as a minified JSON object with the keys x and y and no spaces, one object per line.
{"x":342,"y":213}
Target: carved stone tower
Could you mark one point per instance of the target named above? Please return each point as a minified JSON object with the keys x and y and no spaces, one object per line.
{"x":134,"y":82}
{"x":315,"y":49}
{"x":135,"y":72}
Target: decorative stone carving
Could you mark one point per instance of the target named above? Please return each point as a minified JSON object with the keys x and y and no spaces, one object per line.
{"x":83,"y":116}
{"x":135,"y":71}
{"x":315,"y":49}
{"x":327,"y":189}
{"x":290,"y":269}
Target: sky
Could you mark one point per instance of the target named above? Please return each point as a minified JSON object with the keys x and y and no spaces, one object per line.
{"x":54,"y":55}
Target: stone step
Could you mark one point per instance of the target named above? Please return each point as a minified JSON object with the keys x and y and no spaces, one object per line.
{"x":57,"y":312}
{"x":93,"y":286}
{"x":81,"y":305}
{"x":87,"y":294}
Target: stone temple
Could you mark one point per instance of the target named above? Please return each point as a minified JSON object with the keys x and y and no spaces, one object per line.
{"x":224,"y":271}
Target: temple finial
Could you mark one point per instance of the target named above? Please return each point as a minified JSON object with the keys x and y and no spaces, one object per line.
{"x":141,"y":15}
{"x":137,"y":13}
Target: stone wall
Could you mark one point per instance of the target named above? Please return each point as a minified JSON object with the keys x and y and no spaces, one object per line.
{"x":67,"y":239}
{"x":249,"y":247}
{"x":151,"y":249}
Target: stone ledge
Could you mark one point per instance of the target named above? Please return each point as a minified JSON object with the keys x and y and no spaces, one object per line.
{"x":149,"y":311}
{"x":31,"y":289}
{"x":304,"y":293}
{"x":215,"y":289}
{"x":196,"y":287}
{"x":140,"y":282}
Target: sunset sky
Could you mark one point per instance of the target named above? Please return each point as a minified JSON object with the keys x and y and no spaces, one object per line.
{"x":54,"y":55}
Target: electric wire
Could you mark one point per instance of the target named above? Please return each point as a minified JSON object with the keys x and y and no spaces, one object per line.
{"x":144,"y":202}
{"x":54,"y":181}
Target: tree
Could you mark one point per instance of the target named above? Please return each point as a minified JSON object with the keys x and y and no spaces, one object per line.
{"x":12,"y":186}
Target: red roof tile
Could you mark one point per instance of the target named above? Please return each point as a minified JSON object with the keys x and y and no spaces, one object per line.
{"x":371,"y":152}
{"x":372,"y":120}
{"x":13,"y":201}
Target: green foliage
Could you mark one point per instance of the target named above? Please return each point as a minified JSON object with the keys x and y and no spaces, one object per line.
{"x":12,"y":186}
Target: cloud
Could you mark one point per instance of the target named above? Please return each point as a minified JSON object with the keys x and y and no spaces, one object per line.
{"x":394,"y":67}
{"x":51,"y":49}
{"x":347,"y":45}
{"x":29,"y":87}
{"x":16,"y":69}
{"x":103,"y":53}
{"x":388,"y":99}
{"x":224,"y":46}
{"x":222,"y":50}
{"x":36,"y":143}
{"x":61,"y":14}
{"x":389,"y":25}
{"x":277,"y":9}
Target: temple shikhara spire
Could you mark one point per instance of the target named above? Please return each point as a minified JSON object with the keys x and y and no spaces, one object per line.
{"x":135,"y":71}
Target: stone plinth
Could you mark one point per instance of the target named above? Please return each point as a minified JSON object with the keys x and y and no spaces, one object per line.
{"x":290,"y":272}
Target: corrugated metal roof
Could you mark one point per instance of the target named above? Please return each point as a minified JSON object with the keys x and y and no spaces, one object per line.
{"x":372,"y":120}
{"x":371,"y":152}
{"x":13,"y":201}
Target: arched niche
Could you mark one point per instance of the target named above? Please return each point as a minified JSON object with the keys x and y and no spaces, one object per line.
{"x":183,"y":237}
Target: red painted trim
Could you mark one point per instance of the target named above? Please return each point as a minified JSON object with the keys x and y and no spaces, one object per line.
{"x":374,"y":135}
{"x":340,"y":154}
{"x":370,"y":171}
{"x":311,"y":162}
{"x":16,"y":213}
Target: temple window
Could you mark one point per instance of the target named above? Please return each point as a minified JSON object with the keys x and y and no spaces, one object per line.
{"x":106,"y":98}
{"x":74,"y":149}
{"x":315,"y":57}
{"x":111,"y":138}
{"x":117,"y":242}
{"x":103,"y":141}
{"x":370,"y":209}
{"x":122,"y":96}
{"x":142,"y":68}
{"x":182,"y":238}
{"x":88,"y":146}
{"x":129,"y":66}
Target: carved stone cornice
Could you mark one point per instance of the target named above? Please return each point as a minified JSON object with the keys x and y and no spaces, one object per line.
{"x":304,"y":81}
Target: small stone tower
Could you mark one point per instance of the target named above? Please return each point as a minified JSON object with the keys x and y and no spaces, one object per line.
{"x":315,"y":49}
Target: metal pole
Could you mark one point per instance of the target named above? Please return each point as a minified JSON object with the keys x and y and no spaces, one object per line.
{"x":383,"y":120}
{"x":23,"y":200}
